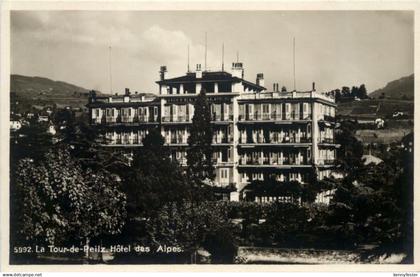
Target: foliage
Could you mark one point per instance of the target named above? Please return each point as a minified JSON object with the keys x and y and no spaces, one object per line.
{"x":347,"y":94}
{"x":31,"y":141}
{"x":200,"y":151}
{"x":58,"y":202}
{"x":155,"y":180}
{"x":191,"y":226}
{"x":351,"y":150}
{"x":84,"y":141}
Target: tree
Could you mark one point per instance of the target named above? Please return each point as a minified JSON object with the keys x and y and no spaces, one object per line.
{"x":350,"y":153}
{"x":345,"y":92}
{"x":363,"y":92}
{"x":59,"y":203}
{"x":337,"y":94}
{"x":355,"y":92}
{"x":283,"y":89}
{"x":84,"y":143}
{"x":200,"y":151}
{"x":155,"y":180}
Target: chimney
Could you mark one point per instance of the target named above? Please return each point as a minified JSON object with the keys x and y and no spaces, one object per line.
{"x":198,"y":72}
{"x":260,"y":79}
{"x":162,"y":72}
{"x":127,"y":91}
{"x":237,"y":70}
{"x":276,"y":87}
{"x":313,"y":86}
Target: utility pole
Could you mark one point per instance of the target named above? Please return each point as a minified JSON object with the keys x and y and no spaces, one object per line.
{"x":110,"y":69}
{"x":294,"y":64}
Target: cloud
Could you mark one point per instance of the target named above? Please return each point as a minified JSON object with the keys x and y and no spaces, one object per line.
{"x":154,"y":44}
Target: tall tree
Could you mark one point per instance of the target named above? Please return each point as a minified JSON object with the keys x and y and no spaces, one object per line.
{"x":363,"y":92}
{"x":345,"y":92}
{"x":155,"y":179}
{"x":355,"y":92}
{"x":199,"y":153}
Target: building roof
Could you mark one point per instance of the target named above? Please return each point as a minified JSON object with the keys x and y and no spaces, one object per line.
{"x":208,"y":76}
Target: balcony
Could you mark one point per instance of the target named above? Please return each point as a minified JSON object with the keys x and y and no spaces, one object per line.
{"x":326,"y":140}
{"x":145,"y":119}
{"x":176,"y":119}
{"x":178,"y":141}
{"x":267,"y":161}
{"x":260,"y":140}
{"x":328,"y":162}
{"x":221,"y":117}
{"x":127,"y":119}
{"x":224,"y":139}
{"x":329,"y":118}
{"x":111,"y":119}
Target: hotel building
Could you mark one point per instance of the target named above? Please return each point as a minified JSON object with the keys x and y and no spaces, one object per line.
{"x":257,"y":133}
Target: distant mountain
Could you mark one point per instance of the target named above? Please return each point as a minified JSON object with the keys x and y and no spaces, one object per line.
{"x":402,"y":88}
{"x":42,"y":86}
{"x":38,"y":92}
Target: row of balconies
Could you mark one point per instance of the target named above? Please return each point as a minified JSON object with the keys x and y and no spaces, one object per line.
{"x":221,"y":138}
{"x":126,"y":119}
{"x":216,"y":140}
{"x":285,"y":160}
{"x":187,"y":118}
{"x":274,"y":139}
{"x":274,"y":116}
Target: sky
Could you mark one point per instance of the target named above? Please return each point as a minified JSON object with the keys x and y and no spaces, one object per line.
{"x":333,"y":48}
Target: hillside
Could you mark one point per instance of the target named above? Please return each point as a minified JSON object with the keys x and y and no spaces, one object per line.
{"x":32,"y":86}
{"x":402,"y":88}
{"x":373,"y":108}
{"x":39,"y":92}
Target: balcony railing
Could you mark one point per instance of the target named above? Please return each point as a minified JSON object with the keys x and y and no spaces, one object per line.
{"x":273,"y":116}
{"x":228,"y":139}
{"x":326,"y":161}
{"x":329,"y":118}
{"x":271,"y":161}
{"x":176,"y":119}
{"x":326,"y":140}
{"x":222,"y":117}
{"x":178,"y":140}
{"x":126,"y":119}
{"x":261,"y":140}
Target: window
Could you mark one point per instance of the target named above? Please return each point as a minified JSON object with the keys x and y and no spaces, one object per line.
{"x":224,"y":173}
{"x":266,"y":108}
{"x":224,"y":155}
